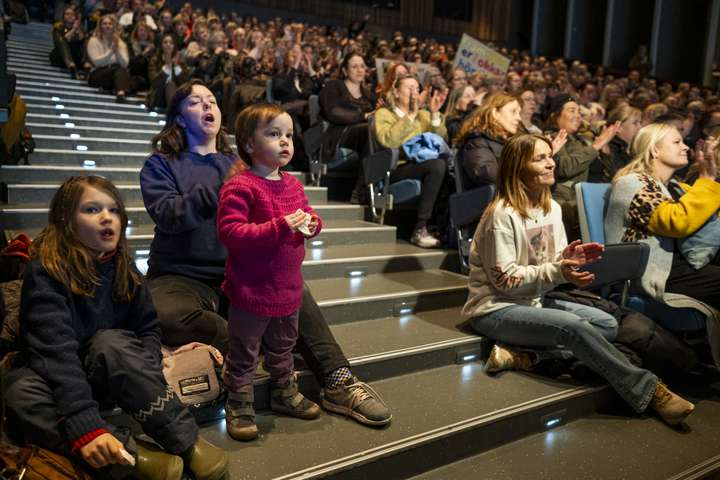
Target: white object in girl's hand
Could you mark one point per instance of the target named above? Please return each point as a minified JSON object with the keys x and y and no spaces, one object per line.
{"x":126,"y":455}
{"x":304,"y":227}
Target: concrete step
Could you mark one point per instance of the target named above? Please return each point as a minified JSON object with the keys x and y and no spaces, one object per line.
{"x":62,"y":118}
{"x":56,"y":88}
{"x":50,"y":74}
{"x":30,"y":174}
{"x":108,"y":103}
{"x":438,"y":415}
{"x":70,"y":141}
{"x":387,"y":294}
{"x":20,"y":193}
{"x":120,"y":113}
{"x":29,"y":44}
{"x":609,"y":446}
{"x":89,"y":158}
{"x":344,"y":224}
{"x":29,"y":56}
{"x":39,"y":129}
{"x":358,"y":260}
{"x":25,"y":90}
{"x":386,"y":347}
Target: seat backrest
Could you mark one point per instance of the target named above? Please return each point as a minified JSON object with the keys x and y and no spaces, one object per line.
{"x":268,"y":90}
{"x":374,"y":144}
{"x":467,"y":207}
{"x":458,"y":169}
{"x":313,"y":140}
{"x":314,"y":109}
{"x":592,"y":201}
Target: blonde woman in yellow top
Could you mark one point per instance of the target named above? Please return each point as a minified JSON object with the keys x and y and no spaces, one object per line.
{"x":402,"y":120}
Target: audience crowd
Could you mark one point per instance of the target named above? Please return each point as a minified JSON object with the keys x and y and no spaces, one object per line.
{"x":534,"y":134}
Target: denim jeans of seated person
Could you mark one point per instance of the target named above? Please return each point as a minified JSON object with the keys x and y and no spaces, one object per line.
{"x":584,"y":331}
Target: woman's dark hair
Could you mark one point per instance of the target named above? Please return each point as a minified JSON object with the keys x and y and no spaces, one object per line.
{"x":159,"y":51}
{"x":346,"y":60}
{"x":172,"y":140}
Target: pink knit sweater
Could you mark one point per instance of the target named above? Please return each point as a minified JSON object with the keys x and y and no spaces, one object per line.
{"x":263,"y":268}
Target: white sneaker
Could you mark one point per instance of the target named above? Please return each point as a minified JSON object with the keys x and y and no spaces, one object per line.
{"x":422,"y":238}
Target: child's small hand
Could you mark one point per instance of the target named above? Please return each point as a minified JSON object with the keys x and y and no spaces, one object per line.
{"x":104,"y":450}
{"x":295,"y":219}
{"x":312,"y":226}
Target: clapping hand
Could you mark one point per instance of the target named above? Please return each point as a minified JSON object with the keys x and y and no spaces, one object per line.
{"x":577,"y":255}
{"x":706,"y":158}
{"x":437,"y":99}
{"x":559,"y":141}
{"x":607,"y":134}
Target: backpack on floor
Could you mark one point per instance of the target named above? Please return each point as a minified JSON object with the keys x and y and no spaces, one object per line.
{"x":644,"y":342}
{"x":34,"y":463}
{"x":191,"y":371}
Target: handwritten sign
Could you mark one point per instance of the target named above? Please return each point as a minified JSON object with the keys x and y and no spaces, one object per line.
{"x":474,"y":56}
{"x":419,"y":69}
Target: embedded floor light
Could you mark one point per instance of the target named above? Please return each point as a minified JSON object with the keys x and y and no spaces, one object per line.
{"x":403,"y":308}
{"x":153,"y":114}
{"x":55,"y":99}
{"x":355,"y":273}
{"x":74,"y":136}
{"x":59,"y":106}
{"x":467,"y":355}
{"x":69,"y":125}
{"x":81,"y":148}
{"x":64,"y":115}
{"x":89,"y":163}
{"x":553,"y":419}
{"x":317,"y":243}
{"x":141,"y":253}
{"x":161,"y":122}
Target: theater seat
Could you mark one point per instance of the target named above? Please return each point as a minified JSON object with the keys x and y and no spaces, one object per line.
{"x":377,"y":166}
{"x":680,"y":313}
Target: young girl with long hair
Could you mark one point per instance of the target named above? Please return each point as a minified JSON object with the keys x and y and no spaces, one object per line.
{"x":263,"y":220}
{"x":92,"y":337}
{"x":518,"y":253}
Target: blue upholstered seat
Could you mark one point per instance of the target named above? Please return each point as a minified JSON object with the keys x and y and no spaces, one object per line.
{"x":592,"y":202}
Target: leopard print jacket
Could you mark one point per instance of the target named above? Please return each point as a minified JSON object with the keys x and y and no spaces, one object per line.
{"x":641,"y":209}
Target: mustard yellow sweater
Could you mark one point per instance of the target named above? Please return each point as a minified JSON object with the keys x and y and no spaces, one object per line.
{"x":392,"y":131}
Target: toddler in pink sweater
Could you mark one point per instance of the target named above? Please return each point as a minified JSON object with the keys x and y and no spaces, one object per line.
{"x":263,"y":221}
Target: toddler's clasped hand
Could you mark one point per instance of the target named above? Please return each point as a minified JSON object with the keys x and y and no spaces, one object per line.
{"x":298,"y":219}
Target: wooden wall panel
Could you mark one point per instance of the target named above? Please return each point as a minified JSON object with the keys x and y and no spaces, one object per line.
{"x":490,"y":21}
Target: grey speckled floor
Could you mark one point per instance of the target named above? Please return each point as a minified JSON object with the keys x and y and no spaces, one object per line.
{"x":603,"y":447}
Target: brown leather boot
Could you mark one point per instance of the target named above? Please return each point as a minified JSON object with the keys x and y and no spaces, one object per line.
{"x":240,"y":415}
{"x":151,"y":463}
{"x":671,"y":407}
{"x":285,"y":398}
{"x":502,"y":358}
{"x":206,"y":461}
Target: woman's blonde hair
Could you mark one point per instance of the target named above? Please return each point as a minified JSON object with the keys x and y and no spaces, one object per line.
{"x":481,"y":120}
{"x":643,"y":149}
{"x":455,"y":94}
{"x":98,"y":27}
{"x":518,"y":151}
{"x":653,"y":111}
{"x":623,"y":113}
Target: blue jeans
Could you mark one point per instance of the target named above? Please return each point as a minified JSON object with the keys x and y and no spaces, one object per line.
{"x":583,"y":330}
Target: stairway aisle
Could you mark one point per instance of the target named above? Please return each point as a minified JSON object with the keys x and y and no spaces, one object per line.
{"x":393,"y":307}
